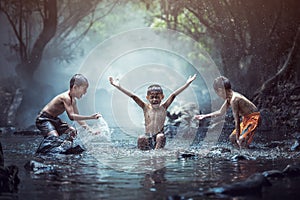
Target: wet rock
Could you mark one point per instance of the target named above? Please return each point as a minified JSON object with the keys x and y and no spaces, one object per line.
{"x":180,"y":120}
{"x":40,"y":168}
{"x":292,"y":170}
{"x":239,"y":157}
{"x":295,"y":146}
{"x":9,"y":179}
{"x":252,"y":185}
{"x":221,"y":149}
{"x":61,"y":145}
{"x":273,"y":174}
{"x":186,"y":155}
{"x":74,"y":150}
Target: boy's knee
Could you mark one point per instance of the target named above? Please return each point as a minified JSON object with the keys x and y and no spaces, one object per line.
{"x":143,"y":143}
{"x":160,"y":136}
{"x":160,"y":140}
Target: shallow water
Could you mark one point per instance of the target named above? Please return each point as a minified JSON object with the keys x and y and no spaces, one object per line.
{"x":90,"y":176}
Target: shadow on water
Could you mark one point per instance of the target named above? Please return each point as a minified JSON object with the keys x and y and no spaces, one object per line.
{"x":175,"y":175}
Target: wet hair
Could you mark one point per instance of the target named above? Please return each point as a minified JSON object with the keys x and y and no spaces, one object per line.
{"x":222,"y":82}
{"x":79,"y":80}
{"x":154,"y":88}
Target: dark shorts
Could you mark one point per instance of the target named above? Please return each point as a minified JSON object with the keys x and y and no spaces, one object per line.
{"x":152,"y":141}
{"x":47,"y":123}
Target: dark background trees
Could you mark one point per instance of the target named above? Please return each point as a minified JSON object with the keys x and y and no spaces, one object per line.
{"x":252,"y":38}
{"x":52,"y":26}
{"x":256,"y":44}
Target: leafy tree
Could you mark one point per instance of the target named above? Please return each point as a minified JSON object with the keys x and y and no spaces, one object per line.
{"x":40,"y":25}
{"x":36,"y":24}
{"x":253,"y":38}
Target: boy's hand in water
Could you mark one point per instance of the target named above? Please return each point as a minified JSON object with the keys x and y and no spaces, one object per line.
{"x":191,"y":79}
{"x":114,"y":82}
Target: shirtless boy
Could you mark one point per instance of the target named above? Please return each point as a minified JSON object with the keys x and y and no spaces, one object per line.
{"x":155,"y":113}
{"x":48,"y":121}
{"x":241,"y":107}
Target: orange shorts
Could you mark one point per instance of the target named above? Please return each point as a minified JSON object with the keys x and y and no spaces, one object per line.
{"x":247,"y":127}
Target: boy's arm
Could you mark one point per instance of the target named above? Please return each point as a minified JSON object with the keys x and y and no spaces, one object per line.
{"x":128,"y":93}
{"x":178,"y":91}
{"x":217,"y":113}
{"x":73,"y":114}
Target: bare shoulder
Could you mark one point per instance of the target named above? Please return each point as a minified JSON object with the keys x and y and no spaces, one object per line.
{"x":65,"y":98}
{"x":243,"y":103}
{"x":241,"y":98}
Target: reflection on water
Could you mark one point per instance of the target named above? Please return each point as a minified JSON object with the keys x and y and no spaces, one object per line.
{"x":87,"y":177}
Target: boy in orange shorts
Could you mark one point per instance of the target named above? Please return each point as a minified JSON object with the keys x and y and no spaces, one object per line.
{"x":241,"y":107}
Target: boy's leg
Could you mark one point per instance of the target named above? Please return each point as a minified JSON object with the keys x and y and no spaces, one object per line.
{"x":46,"y":124}
{"x":248,"y":130}
{"x":247,"y":135}
{"x":64,"y":128}
{"x":144,"y":143}
{"x":160,"y":141}
{"x":232,"y":138}
{"x":47,"y":128}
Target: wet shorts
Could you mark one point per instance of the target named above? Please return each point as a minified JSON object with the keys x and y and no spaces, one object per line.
{"x":152,"y":141}
{"x":47,"y":123}
{"x":248,"y":126}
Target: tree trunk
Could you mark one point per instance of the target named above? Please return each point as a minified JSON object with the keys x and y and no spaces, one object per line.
{"x":29,"y":65}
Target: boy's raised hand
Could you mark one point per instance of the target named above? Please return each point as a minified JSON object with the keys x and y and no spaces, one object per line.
{"x":191,"y":79}
{"x":113,"y":82}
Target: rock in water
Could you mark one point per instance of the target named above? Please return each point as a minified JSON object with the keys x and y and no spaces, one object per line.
{"x":239,"y":157}
{"x":295,"y":146}
{"x":273,"y":174}
{"x":292,"y":170}
{"x":40,"y":168}
{"x":252,"y":185}
{"x":53,"y":144}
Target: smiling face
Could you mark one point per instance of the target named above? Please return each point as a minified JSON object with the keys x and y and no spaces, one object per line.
{"x":79,"y":91}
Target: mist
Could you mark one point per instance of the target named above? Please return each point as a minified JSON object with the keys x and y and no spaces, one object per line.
{"x":130,"y":51}
{"x":139,"y":58}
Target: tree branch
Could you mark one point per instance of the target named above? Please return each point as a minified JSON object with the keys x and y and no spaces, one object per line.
{"x":269,"y":83}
